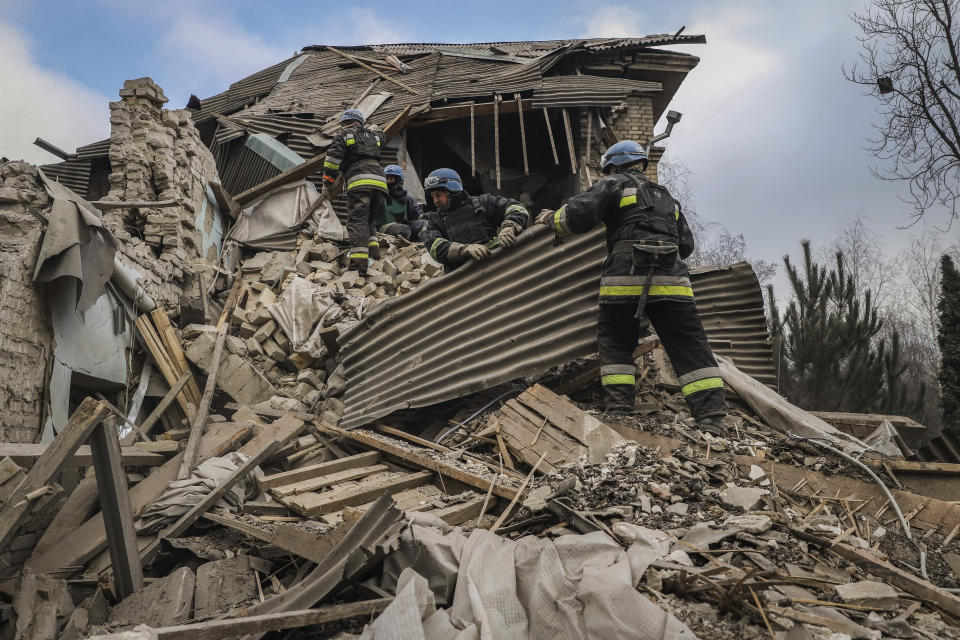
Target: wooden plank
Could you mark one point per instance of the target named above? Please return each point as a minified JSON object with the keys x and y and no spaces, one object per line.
{"x":81,"y":423}
{"x":421,"y":459}
{"x":908,"y":466}
{"x":162,"y":360}
{"x":496,"y":136}
{"x":171,"y":342}
{"x":314,"y":484}
{"x":106,"y":205}
{"x":115,"y":505}
{"x":376,"y":71}
{"x":460,"y":513}
{"x":203,"y":408}
{"x":317,"y":504}
{"x":523,"y":135}
{"x":897,"y":577}
{"x":133,"y":456}
{"x":315,"y":470}
{"x":225,"y":201}
{"x":399,"y":433}
{"x":238,"y":627}
{"x":185,"y":521}
{"x":570,"y":145}
{"x":90,"y":537}
{"x":553,"y":143}
{"x":456,"y":112}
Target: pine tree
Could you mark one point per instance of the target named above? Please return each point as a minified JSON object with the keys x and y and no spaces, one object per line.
{"x":949,"y":340}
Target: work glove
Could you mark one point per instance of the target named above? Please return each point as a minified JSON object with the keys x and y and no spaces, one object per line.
{"x":508,"y":233}
{"x":476,"y":252}
{"x":455,"y":251}
{"x":544,"y":216}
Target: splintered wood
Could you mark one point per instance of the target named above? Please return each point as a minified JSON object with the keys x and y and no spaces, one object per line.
{"x":541,"y":423}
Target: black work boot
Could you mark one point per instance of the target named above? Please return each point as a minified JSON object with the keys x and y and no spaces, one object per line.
{"x":713,"y":425}
{"x":619,"y":399}
{"x":374,"y":249}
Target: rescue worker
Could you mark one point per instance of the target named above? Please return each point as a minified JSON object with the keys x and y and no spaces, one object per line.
{"x":355,"y":152}
{"x":401,"y":214}
{"x":644,"y":273}
{"x":468,"y":227}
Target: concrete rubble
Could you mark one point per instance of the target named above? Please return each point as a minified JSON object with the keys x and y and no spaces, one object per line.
{"x":221,"y":497}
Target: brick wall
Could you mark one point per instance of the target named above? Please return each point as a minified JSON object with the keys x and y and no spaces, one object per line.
{"x":25,"y":337}
{"x":635,"y":122}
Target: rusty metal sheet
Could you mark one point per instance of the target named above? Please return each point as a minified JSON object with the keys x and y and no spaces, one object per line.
{"x":531,"y":307}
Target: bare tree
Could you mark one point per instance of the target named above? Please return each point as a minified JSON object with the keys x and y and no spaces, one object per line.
{"x":863,"y":257}
{"x":910,"y":60}
{"x":713,"y":243}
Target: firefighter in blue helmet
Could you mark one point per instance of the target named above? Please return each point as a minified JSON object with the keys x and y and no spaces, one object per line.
{"x":466,"y":227}
{"x":644,"y":273}
{"x":401,"y":215}
{"x":355,"y":153}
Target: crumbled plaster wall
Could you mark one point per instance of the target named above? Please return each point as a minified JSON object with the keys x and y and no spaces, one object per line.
{"x":25,"y":336}
{"x":155,"y":155}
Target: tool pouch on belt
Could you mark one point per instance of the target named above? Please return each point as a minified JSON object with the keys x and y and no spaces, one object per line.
{"x":651,"y":255}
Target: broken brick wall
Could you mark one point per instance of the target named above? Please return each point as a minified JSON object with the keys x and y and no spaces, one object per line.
{"x":155,"y":155}
{"x":634,"y":121}
{"x":26,"y":340}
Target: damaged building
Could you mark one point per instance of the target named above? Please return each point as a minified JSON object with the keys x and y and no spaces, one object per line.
{"x":210,"y":427}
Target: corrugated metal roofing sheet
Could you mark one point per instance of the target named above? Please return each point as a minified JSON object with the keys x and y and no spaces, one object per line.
{"x":588,"y":91}
{"x":534,"y":47}
{"x":531,"y":308}
{"x":241,"y":92}
{"x":99,"y":149}
{"x":74,"y":173}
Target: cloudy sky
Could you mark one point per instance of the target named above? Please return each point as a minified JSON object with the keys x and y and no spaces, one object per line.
{"x":772,"y":133}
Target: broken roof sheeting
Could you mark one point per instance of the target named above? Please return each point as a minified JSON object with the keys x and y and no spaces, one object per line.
{"x":532,"y":308}
{"x":241,"y":92}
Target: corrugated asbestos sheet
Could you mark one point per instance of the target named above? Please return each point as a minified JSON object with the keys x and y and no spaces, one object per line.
{"x":532,"y":308}
{"x":73,"y":173}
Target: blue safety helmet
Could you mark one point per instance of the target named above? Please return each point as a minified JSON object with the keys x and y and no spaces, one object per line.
{"x":352,"y":114}
{"x":623,"y":152}
{"x":443,"y":179}
{"x":393,"y":170}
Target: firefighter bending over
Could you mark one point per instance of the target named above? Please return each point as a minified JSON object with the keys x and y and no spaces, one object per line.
{"x":466,"y":227}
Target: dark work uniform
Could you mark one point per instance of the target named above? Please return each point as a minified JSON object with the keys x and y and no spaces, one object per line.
{"x":470,"y":220}
{"x":356,"y":153}
{"x":636,"y":212}
{"x":401,"y":215}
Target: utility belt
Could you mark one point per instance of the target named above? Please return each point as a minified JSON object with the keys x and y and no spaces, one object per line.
{"x":649,"y":256}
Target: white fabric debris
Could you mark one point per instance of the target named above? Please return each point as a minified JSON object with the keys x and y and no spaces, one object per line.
{"x":298,"y":312}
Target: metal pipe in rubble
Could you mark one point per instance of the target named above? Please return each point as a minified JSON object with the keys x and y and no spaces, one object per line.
{"x":903,"y":523}
{"x":126,"y":280}
{"x":673,"y":117}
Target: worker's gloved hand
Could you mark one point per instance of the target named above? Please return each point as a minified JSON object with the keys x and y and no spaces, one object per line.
{"x":544,"y":216}
{"x":455,"y":251}
{"x":508,"y":233}
{"x":476,"y":252}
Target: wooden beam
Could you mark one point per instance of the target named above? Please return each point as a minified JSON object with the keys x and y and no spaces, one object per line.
{"x":106,"y":205}
{"x":473,"y":140}
{"x":570,"y":145}
{"x":320,"y":482}
{"x":164,"y":404}
{"x":316,"y":470}
{"x":184,"y":522}
{"x":318,"y":504}
{"x":462,"y":110}
{"x":553,"y":143}
{"x":89,"y":538}
{"x":132,"y":456}
{"x":203,"y":409}
{"x":523,"y":136}
{"x":461,"y":512}
{"x":238,"y":627}
{"x":117,"y":513}
{"x":376,"y":71}
{"x":496,"y":136}
{"x":163,"y":361}
{"x":420,"y":459}
{"x":171,"y":342}
{"x":81,"y":423}
{"x":225,"y":201}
